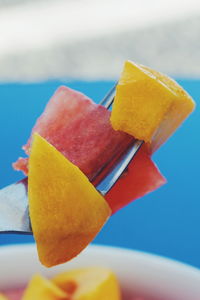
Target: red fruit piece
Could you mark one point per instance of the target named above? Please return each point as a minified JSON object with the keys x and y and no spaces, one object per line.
{"x":141,"y":178}
{"x":81,"y":130}
{"x":14,"y":294}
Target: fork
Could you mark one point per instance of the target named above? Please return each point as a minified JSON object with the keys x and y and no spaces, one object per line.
{"x":14,"y":212}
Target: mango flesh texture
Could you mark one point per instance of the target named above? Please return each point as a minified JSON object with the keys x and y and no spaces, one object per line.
{"x":94,"y":283}
{"x":149,"y":105}
{"x":66,"y":211}
{"x":40,"y":288}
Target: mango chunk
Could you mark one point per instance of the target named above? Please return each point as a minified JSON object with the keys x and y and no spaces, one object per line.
{"x":40,"y":288}
{"x":149,"y":105}
{"x":2,"y":297}
{"x":66,"y":211}
{"x":94,"y":283}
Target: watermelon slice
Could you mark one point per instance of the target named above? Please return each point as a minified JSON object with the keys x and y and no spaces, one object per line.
{"x":81,"y":131}
{"x":141,"y":178}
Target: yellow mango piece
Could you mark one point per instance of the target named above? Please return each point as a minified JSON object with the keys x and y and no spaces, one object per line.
{"x":2,"y":297}
{"x":149,"y":105}
{"x":43,"y":289}
{"x":66,"y":211}
{"x":94,"y":283}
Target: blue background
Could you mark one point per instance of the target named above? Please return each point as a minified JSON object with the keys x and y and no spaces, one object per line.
{"x":166,"y":222}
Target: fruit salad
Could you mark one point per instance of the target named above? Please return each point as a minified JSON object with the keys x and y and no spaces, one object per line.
{"x":87,"y":283}
{"x":75,"y":138}
{"x":92,"y":283}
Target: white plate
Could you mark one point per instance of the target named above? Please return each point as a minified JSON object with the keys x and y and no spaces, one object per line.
{"x":137,"y":271}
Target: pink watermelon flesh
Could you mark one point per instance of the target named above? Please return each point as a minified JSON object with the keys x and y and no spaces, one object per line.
{"x":81,"y":131}
{"x":14,"y":294}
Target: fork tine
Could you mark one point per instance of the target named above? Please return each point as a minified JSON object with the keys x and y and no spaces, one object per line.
{"x":108,"y":181}
{"x":109,"y":98}
{"x":18,"y":216}
{"x":105,"y":184}
{"x":14,"y":209}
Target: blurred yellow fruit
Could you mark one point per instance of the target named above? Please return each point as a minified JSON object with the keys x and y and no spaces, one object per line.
{"x":149,"y":105}
{"x":2,"y":297}
{"x":66,"y":211}
{"x":40,"y":288}
{"x":94,"y":283}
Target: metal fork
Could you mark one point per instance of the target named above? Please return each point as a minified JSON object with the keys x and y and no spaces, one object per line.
{"x":14,"y":212}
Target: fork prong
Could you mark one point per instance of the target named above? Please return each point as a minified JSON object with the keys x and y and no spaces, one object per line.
{"x":108,"y":181}
{"x":14,"y":209}
{"x":109,"y":98}
{"x":15,"y":195}
{"x":114,"y":174}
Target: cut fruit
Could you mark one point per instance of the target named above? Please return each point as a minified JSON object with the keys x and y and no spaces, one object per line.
{"x":141,"y":178}
{"x":80,"y":130}
{"x":94,"y":283}
{"x":66,"y":210}
{"x":14,"y":294}
{"x":40,"y":288}
{"x":149,"y":105}
{"x":22,"y":165}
